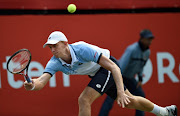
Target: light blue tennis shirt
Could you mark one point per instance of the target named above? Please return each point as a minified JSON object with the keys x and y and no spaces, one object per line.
{"x":85,"y":58}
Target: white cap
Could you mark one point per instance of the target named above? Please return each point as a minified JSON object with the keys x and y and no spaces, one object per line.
{"x":55,"y":37}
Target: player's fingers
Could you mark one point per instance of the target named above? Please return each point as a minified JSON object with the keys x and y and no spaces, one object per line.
{"x":27,"y":84}
{"x":127,"y":99}
{"x":119,"y":103}
{"x":32,"y":81}
{"x":122,"y":103}
{"x":130,"y":97}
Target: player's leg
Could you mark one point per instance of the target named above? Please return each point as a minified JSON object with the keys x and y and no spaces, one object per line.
{"x":144,"y":104}
{"x":139,"y":103}
{"x":86,"y":99}
{"x":131,"y":85}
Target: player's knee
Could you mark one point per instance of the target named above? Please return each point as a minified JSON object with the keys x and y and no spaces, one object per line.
{"x":131,"y":104}
{"x":83,"y":101}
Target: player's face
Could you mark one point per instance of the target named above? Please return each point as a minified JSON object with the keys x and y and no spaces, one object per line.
{"x":58,"y":49}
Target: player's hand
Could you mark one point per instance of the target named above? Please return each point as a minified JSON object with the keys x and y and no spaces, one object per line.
{"x":123,"y":99}
{"x":29,"y":86}
{"x":139,"y":84}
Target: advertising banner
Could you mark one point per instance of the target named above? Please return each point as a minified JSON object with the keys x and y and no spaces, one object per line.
{"x":111,"y":31}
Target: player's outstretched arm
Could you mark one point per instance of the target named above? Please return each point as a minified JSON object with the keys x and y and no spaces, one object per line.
{"x":122,"y":98}
{"x":38,"y":83}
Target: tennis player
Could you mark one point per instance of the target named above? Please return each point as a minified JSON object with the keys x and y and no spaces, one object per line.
{"x":81,"y":58}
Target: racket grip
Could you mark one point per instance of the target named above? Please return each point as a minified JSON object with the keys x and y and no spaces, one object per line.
{"x":27,"y":78}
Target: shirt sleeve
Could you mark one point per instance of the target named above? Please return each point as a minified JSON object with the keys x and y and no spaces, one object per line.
{"x":125,"y":59}
{"x":90,"y":54}
{"x":51,"y":68}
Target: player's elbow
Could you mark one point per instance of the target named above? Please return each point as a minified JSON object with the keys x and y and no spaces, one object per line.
{"x":114,"y":68}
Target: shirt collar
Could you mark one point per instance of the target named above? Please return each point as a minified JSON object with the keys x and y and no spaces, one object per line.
{"x":73,"y":56}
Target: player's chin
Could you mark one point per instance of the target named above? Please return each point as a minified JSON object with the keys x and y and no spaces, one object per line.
{"x":56,"y":56}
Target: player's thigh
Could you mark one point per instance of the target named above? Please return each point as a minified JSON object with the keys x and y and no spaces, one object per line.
{"x":89,"y":95}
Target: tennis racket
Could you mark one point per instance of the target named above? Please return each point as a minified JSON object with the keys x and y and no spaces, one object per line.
{"x":19,"y":62}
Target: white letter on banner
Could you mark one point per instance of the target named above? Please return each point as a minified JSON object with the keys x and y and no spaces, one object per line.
{"x":35,"y":73}
{"x":10,"y":77}
{"x":66,"y":81}
{"x":166,"y":70}
{"x":52,"y":81}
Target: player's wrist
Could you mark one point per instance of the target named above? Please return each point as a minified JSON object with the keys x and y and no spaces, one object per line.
{"x":33,"y":87}
{"x":119,"y":92}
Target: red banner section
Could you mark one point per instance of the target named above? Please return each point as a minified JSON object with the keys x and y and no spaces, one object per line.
{"x":88,"y":4}
{"x":112,"y":31}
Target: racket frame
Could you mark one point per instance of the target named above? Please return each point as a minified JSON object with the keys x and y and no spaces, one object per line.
{"x":26,"y":68}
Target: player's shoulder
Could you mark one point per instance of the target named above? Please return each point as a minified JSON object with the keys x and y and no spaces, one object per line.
{"x":80,"y":46}
{"x":53,"y":60}
{"x":79,"y":43}
{"x":54,"y":63}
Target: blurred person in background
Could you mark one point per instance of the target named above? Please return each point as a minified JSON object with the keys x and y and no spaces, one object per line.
{"x":131,"y":64}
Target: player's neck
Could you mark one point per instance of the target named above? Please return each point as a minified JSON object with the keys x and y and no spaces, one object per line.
{"x":67,"y":56}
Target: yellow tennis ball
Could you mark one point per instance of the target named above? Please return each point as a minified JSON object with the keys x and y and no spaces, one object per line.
{"x":71,"y":8}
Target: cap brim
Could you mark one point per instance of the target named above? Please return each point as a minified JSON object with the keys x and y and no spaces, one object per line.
{"x":50,"y":42}
{"x":150,"y":36}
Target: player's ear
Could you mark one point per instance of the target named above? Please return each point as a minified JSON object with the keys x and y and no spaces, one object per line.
{"x":65,"y":42}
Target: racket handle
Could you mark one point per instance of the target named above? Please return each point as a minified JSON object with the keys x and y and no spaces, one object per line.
{"x":27,"y":78}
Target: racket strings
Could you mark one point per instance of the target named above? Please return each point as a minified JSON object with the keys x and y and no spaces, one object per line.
{"x":19,"y":61}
